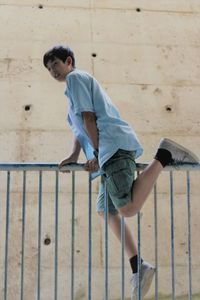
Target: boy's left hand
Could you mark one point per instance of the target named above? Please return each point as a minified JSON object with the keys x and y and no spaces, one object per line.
{"x":92,"y":165}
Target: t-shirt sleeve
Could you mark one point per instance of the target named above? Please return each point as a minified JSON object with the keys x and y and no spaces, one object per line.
{"x":80,"y":93}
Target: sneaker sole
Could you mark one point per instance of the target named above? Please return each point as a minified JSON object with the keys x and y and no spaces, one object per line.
{"x":176,"y":145}
{"x":148,"y":279}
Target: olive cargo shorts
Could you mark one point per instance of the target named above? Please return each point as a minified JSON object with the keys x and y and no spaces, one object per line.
{"x":119,"y":176}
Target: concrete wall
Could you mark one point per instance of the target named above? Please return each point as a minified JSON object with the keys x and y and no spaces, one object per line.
{"x":146,"y":55}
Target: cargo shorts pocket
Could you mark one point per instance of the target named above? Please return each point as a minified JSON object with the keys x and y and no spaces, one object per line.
{"x":120,"y":176}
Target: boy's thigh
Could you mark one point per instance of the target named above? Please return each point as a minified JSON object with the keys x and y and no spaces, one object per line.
{"x":120,"y":175}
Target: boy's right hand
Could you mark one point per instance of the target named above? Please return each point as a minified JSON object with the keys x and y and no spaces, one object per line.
{"x":68,"y":160}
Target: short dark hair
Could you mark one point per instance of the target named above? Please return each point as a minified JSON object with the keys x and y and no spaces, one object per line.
{"x":60,"y":52}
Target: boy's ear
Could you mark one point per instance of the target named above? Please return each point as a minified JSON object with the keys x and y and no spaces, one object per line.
{"x":68,"y":60}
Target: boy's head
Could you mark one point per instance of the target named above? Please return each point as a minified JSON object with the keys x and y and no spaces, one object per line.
{"x":59,"y":61}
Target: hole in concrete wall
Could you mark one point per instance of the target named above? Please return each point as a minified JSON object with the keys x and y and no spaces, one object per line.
{"x":138,"y":9}
{"x":168,"y":108}
{"x":40,"y":6}
{"x":94,"y":55}
{"x":47,"y":241}
{"x":157,"y":92}
{"x":27,"y":107}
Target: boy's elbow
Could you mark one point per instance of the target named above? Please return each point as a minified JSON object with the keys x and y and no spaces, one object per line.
{"x":89,"y":116}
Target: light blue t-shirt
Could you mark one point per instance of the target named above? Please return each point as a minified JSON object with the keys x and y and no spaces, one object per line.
{"x":86,"y":94}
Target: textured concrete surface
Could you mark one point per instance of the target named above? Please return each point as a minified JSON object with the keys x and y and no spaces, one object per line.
{"x":146,"y":55}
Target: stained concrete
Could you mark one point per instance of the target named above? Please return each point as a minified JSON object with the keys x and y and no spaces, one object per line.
{"x":146,"y":55}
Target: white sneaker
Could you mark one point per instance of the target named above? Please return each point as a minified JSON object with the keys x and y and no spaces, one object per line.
{"x":178,"y":152}
{"x":146,"y":276}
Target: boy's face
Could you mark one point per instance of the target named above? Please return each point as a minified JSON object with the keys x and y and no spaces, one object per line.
{"x":59,"y":69}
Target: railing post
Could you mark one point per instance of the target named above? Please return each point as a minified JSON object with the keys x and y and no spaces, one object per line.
{"x":72,"y":235}
{"x":56,"y":238}
{"x":23,"y":233}
{"x":89,"y":238}
{"x":7,"y":235}
{"x":189,"y":237}
{"x":122,"y":258}
{"x":39,"y":234}
{"x":106,"y":242}
{"x":139,"y":254}
{"x":139,"y":250}
{"x":156,"y":240}
{"x":172,"y":233}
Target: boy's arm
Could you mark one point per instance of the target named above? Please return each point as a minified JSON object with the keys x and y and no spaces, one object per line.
{"x":89,"y":120}
{"x":73,"y":158}
{"x":76,"y":149}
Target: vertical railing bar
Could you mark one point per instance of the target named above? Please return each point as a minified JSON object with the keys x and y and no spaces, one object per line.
{"x":139,"y":252}
{"x":56,"y":238}
{"x":172,"y":233}
{"x":7,"y":236}
{"x":106,"y":242}
{"x":189,"y":236}
{"x":122,"y":259}
{"x":23,"y":233}
{"x":72,"y":235}
{"x":139,"y":256}
{"x":156,"y":240}
{"x":90,"y":238}
{"x":39,"y":234}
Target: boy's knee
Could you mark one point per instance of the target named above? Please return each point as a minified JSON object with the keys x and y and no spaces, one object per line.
{"x":123,"y":211}
{"x":110,"y":214}
{"x":127,"y":212}
{"x":101,"y":214}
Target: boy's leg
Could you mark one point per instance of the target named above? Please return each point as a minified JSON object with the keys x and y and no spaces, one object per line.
{"x":147,"y":270}
{"x":114,"y":221}
{"x":120,"y":176}
{"x":141,"y":189}
{"x":130,"y":245}
{"x":168,"y":153}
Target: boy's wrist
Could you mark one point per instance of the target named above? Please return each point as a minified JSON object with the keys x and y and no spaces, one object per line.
{"x":96,"y":153}
{"x":74,"y":156}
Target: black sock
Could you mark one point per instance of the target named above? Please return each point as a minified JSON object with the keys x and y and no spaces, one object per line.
{"x":134,"y":263}
{"x":164,"y":157}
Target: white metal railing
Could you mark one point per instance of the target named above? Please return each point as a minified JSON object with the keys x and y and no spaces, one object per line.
{"x":40,"y":168}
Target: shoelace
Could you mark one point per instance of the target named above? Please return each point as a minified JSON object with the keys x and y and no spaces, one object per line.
{"x":179,"y":160}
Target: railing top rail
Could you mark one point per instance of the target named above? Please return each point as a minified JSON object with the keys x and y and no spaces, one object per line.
{"x":29,"y":166}
{"x":16,"y":166}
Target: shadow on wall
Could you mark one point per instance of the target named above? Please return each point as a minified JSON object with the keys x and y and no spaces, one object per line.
{"x":160,"y":297}
{"x":184,"y":297}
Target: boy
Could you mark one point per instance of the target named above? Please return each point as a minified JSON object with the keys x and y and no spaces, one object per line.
{"x":110,"y":144}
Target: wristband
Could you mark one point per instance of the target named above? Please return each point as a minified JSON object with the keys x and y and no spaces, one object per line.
{"x":96,"y":153}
